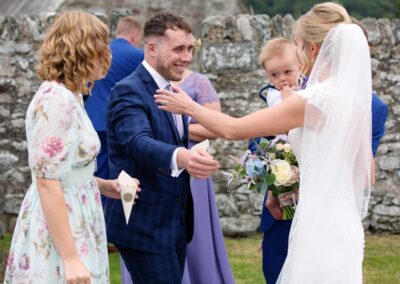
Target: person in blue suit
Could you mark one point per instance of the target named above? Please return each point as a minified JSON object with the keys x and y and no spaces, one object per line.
{"x":151,"y":145}
{"x":125,"y":58}
{"x":379,"y":116}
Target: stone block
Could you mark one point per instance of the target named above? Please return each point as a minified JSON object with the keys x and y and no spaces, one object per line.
{"x":20,"y":146}
{"x":386,"y":211}
{"x":22,"y":63}
{"x":5,"y":98}
{"x":23,"y":48}
{"x":245,"y":29}
{"x":390,"y":163}
{"x":7,"y":48}
{"x":6,"y":68}
{"x":374,"y":33}
{"x":263,"y":25}
{"x":18,"y":123}
{"x":395,"y":25}
{"x":6,"y":85}
{"x":12,"y":177}
{"x":4,"y":112}
{"x":13,"y":203}
{"x":385,"y":27}
{"x":239,"y":57}
{"x":226,"y":206}
{"x":7,"y":159}
{"x":243,"y":226}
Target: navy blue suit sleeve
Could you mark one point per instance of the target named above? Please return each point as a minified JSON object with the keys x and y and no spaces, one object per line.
{"x":129,"y":116}
{"x":252,"y":144}
{"x":379,"y":115}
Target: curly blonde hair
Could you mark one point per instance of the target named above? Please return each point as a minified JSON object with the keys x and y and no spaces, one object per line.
{"x":75,"y":45}
{"x":313,"y":27}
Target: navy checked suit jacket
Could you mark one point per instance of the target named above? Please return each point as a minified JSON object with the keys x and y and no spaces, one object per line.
{"x":141,"y":141}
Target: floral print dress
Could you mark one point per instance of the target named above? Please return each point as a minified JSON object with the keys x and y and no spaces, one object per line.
{"x":62,"y":145}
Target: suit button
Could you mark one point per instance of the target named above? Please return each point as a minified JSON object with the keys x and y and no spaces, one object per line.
{"x":179,"y":199}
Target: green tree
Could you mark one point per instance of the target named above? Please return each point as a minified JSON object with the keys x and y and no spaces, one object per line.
{"x":357,"y":8}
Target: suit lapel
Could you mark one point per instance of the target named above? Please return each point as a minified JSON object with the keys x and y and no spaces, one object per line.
{"x":151,"y":87}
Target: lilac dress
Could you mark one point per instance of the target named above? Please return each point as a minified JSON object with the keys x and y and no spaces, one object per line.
{"x":206,"y":258}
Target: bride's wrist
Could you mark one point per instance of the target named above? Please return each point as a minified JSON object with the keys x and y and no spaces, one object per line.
{"x":191,"y":108}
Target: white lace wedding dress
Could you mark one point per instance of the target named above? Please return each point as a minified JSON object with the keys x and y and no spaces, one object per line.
{"x":333,"y":149}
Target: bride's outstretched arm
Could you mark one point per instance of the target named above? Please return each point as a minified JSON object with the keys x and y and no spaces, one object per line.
{"x":278,"y":119}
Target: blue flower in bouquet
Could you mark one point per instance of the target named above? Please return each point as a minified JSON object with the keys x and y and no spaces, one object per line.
{"x":273,"y":166}
{"x":254,"y":167}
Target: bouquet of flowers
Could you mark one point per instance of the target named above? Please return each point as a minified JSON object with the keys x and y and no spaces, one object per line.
{"x":272,"y":167}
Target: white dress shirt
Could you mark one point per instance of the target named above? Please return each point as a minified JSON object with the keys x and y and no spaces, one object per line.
{"x":162,"y":83}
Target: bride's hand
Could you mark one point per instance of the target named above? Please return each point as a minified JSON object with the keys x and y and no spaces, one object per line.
{"x":176,"y":102}
{"x":272,"y":204}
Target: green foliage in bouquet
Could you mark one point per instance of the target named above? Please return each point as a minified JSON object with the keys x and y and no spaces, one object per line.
{"x":273,"y":166}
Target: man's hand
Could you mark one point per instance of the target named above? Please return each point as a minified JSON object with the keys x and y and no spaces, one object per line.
{"x":272,"y":204}
{"x":197,"y":162}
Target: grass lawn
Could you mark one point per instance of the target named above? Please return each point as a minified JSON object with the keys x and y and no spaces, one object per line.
{"x":381,"y":261}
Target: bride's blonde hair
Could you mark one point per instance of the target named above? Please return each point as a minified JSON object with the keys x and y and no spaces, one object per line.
{"x":313,"y":27}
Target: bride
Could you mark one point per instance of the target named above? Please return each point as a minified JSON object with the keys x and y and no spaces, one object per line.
{"x":329,"y":126}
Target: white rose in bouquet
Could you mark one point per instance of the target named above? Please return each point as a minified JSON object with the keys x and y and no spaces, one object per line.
{"x":287,"y":148}
{"x":282,"y":171}
{"x":279,"y":146}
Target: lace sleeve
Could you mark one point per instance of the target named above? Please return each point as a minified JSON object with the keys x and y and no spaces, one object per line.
{"x":316,"y":96}
{"x":205,"y":92}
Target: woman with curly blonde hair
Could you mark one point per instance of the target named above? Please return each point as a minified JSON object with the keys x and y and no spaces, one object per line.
{"x":60,"y":233}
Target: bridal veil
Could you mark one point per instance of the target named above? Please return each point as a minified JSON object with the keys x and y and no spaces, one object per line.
{"x":327,"y":239}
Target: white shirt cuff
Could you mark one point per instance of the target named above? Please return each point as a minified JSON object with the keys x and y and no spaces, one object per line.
{"x":175,"y":172}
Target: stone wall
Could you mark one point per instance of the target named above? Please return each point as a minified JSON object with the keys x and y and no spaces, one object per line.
{"x":193,"y":10}
{"x":229,"y":57}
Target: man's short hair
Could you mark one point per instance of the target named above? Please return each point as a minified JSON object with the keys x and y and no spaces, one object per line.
{"x":128,"y":24}
{"x":161,"y":21}
{"x":274,"y":48}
